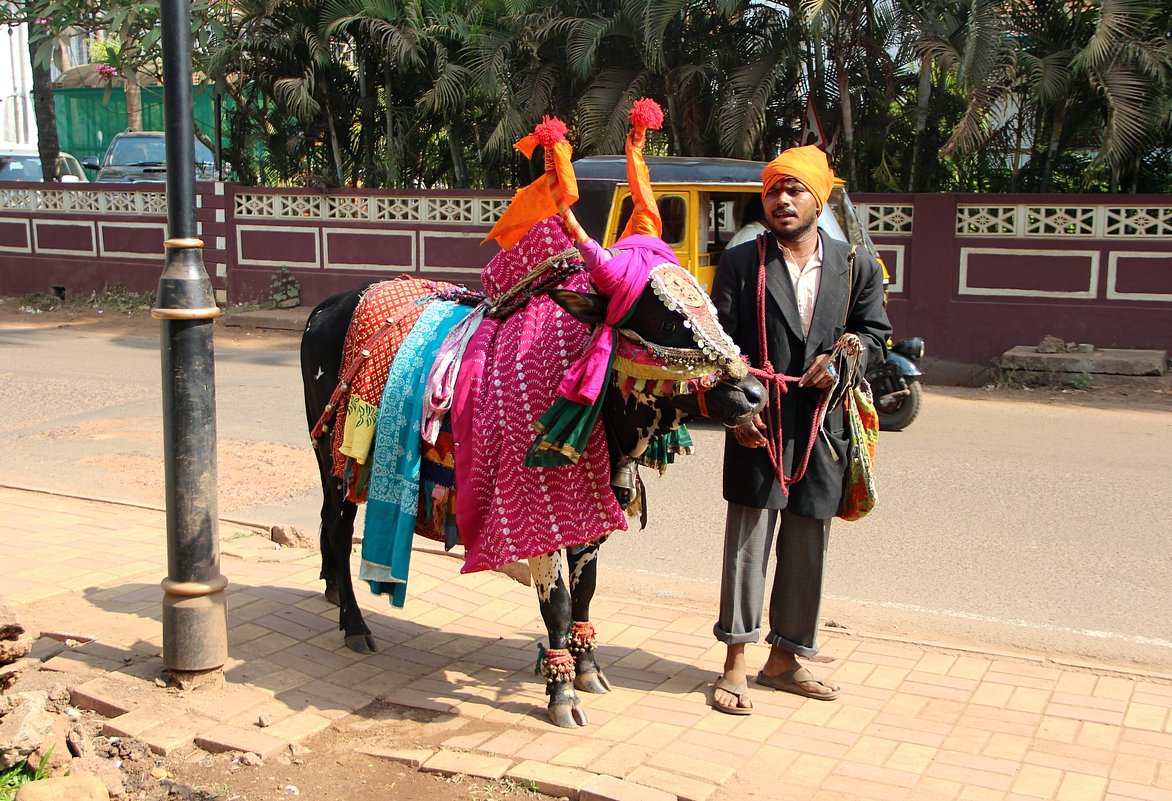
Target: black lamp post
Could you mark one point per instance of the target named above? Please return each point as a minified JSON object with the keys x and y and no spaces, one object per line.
{"x":195,"y":618}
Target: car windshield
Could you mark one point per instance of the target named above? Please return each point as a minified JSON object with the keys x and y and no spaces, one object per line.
{"x":140,"y":151}
{"x":20,"y":168}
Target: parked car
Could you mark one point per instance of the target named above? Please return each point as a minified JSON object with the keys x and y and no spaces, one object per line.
{"x":703,"y":202}
{"x":135,"y":156}
{"x":20,"y":162}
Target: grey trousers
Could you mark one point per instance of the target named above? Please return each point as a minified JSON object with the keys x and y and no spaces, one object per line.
{"x":797,"y":583}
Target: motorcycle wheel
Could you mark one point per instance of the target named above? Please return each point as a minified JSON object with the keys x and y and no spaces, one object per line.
{"x":900,"y":415}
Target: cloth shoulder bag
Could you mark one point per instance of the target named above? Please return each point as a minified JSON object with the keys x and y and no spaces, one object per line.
{"x":859,"y":494}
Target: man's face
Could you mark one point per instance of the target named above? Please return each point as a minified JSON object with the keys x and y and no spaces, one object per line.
{"x":791,"y":210}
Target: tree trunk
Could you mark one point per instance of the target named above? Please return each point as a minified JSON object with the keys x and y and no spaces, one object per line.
{"x":922,"y":97}
{"x":848,"y":123}
{"x":335,"y":148}
{"x":458,"y":167}
{"x":367,"y":102}
{"x":133,"y":104}
{"x":46,"y":114}
{"x":1055,"y":142}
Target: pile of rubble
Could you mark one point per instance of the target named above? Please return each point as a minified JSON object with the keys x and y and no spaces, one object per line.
{"x":61,"y":745}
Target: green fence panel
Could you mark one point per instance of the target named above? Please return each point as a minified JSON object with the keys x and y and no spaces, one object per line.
{"x":87,"y":119}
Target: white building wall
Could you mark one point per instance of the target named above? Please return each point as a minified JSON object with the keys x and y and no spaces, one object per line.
{"x":17,"y":122}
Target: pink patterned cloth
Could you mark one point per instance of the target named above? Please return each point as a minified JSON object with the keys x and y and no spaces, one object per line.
{"x":509,"y":377}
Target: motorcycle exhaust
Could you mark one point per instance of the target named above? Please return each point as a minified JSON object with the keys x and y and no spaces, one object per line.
{"x":890,"y":396}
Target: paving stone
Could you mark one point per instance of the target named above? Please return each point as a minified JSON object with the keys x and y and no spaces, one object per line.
{"x":299,"y":726}
{"x":137,"y":721}
{"x":177,"y":735}
{"x":232,"y":738}
{"x":608,"y":788}
{"x":553,"y":780}
{"x":412,"y":757}
{"x":109,"y":697}
{"x":449,"y":763}
{"x":682,"y":787}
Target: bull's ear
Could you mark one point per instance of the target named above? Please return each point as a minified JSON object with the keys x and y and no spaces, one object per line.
{"x":585,"y":306}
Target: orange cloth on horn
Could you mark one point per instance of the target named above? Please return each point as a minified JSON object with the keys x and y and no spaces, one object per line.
{"x":808,"y":164}
{"x":645,"y":217}
{"x":551,"y":194}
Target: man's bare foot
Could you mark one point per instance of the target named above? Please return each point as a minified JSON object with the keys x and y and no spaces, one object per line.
{"x":730,"y":693}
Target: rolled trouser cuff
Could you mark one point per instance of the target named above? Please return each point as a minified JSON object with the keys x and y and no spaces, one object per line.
{"x":777,"y":641}
{"x":735,"y":639}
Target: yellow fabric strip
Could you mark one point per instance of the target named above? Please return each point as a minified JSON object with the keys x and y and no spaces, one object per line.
{"x":361,"y":423}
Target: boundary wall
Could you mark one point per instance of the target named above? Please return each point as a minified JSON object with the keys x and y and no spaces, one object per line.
{"x":974,"y":275}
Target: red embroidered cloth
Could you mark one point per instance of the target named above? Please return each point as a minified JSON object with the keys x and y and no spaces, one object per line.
{"x":353,"y":436}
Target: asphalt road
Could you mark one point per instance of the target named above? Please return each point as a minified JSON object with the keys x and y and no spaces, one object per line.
{"x":1003,"y":523}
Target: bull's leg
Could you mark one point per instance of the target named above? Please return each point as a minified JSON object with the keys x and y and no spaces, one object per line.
{"x":341,"y":543}
{"x":557,"y":664}
{"x":583,"y":568}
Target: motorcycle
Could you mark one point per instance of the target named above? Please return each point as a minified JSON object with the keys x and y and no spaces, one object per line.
{"x":895,"y":384}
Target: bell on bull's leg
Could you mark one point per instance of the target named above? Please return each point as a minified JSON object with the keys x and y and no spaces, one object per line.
{"x":564,"y":708}
{"x":589,"y":677}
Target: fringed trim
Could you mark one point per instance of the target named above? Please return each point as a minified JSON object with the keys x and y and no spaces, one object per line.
{"x":560,"y":448}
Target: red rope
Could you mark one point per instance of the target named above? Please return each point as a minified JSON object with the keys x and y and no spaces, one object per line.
{"x":777,"y":384}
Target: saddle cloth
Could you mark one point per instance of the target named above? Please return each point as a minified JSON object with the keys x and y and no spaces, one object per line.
{"x":403,"y":300}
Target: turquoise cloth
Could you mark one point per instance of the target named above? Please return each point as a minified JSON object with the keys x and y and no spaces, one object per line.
{"x":392,"y":502}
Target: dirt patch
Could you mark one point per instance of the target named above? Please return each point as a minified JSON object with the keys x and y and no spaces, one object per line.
{"x":335,"y":764}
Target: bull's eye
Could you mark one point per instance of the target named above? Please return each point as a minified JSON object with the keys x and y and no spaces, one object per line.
{"x":668,"y":327}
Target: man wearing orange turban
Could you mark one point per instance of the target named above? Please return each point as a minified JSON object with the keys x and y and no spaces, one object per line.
{"x":814,"y":291}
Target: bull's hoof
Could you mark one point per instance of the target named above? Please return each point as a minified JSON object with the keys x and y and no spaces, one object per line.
{"x":332,"y":596}
{"x":593,"y":682}
{"x":361,"y":643}
{"x":567,"y":715}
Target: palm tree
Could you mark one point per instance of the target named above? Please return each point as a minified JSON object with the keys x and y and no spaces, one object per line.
{"x":1084,"y":74}
{"x":284,"y":58}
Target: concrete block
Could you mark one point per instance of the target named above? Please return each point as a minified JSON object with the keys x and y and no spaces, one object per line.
{"x":1109,"y":361}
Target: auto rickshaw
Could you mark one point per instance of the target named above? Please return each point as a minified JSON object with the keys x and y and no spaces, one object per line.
{"x":703,"y":202}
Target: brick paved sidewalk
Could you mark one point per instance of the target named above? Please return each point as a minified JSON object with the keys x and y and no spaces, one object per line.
{"x":914,"y":721}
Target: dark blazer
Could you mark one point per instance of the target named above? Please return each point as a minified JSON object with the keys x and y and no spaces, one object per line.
{"x":748,"y":474}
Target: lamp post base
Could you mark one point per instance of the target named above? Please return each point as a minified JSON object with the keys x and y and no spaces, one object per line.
{"x":195,"y":625}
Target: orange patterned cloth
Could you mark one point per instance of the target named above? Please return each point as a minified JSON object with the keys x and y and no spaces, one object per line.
{"x":354,"y":427}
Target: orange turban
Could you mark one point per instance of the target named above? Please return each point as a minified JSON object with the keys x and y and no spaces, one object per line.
{"x":807,"y":164}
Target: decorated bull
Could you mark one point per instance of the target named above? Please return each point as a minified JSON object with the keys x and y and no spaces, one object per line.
{"x":514,"y":422}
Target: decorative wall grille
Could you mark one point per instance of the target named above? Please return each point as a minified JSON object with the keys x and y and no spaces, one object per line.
{"x":1089,"y":222}
{"x":83,"y":201}
{"x":887,"y":219}
{"x":986,"y":220}
{"x":1050,"y":221}
{"x":1138,"y":221}
{"x":443,"y":210}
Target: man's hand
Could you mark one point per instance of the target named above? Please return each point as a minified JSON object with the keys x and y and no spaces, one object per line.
{"x":821,"y":373}
{"x":749,"y":435}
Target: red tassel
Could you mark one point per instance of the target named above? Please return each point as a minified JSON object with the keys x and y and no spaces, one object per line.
{"x":646,"y":113}
{"x":550,"y":131}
